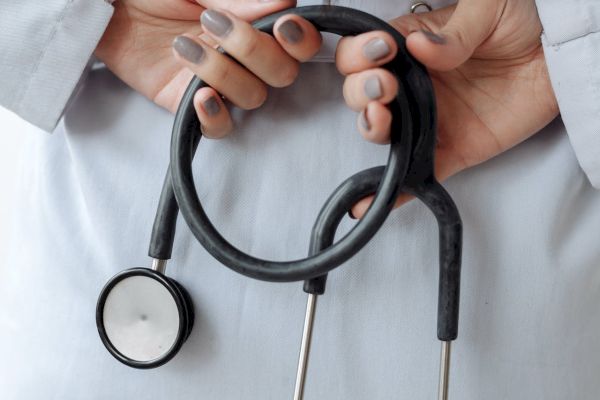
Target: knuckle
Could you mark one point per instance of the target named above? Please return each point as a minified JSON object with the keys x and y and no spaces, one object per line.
{"x":248,"y":45}
{"x":221,"y":72}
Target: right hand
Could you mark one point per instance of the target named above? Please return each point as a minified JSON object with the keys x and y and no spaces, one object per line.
{"x":137,"y":47}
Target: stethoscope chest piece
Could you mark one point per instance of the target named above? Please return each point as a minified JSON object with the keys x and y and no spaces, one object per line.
{"x":144,"y":317}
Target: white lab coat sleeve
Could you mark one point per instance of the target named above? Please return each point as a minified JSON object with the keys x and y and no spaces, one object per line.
{"x":44,"y":49}
{"x":571,"y":41}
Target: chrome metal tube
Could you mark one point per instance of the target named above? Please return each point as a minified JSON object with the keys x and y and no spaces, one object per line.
{"x":159,"y":265}
{"x":309,"y":320}
{"x":444,"y":371}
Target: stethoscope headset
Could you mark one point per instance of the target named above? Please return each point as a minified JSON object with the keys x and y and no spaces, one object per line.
{"x":144,"y":317}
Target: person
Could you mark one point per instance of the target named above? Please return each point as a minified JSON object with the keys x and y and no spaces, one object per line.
{"x":88,"y":194}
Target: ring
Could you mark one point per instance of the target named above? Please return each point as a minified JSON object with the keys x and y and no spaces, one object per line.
{"x":415,"y":7}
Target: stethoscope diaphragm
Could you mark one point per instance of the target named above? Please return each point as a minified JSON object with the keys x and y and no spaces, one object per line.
{"x":144,"y":317}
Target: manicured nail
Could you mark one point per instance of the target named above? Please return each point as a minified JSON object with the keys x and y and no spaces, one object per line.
{"x":351,"y":215}
{"x":433,"y":38}
{"x":217,"y":23}
{"x":376,"y":49}
{"x":188,"y":49}
{"x":291,"y":31}
{"x":373,"y":88}
{"x":363,"y":121}
{"x":211,"y":106}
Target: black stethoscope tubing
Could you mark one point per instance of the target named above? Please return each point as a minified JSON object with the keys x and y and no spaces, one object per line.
{"x":410,"y":169}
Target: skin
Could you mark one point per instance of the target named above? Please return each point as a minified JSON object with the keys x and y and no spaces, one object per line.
{"x":485,"y":60}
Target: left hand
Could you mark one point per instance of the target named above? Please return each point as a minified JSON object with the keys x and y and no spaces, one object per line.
{"x":137,"y":47}
{"x":487,"y":65}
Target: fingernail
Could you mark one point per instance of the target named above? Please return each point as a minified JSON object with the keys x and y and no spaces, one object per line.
{"x":291,"y":31}
{"x":373,"y":88}
{"x":351,"y":215}
{"x":217,"y":23}
{"x":433,"y":38}
{"x":188,"y":49}
{"x":363,"y":121}
{"x":376,"y":49}
{"x":211,"y":106}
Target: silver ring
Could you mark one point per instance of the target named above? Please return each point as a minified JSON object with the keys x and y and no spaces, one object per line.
{"x":415,"y":7}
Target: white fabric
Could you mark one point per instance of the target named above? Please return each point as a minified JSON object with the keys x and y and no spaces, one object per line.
{"x":45,"y":46}
{"x":571,"y":42}
{"x":87,"y":197}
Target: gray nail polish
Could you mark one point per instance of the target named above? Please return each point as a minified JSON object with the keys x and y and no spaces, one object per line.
{"x":211,"y":106}
{"x":216,"y":22}
{"x":188,"y":49}
{"x":291,"y":31}
{"x":373,"y":88}
{"x":376,"y":49}
{"x":433,"y":38}
{"x":363,"y":121}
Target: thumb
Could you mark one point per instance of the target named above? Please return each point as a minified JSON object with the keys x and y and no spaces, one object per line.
{"x":248,"y":10}
{"x":454,"y":42}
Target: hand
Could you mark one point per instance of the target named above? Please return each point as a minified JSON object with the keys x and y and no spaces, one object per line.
{"x":137,"y":47}
{"x":489,"y":74}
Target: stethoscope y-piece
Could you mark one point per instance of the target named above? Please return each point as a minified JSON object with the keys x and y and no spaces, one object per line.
{"x":409,"y":169}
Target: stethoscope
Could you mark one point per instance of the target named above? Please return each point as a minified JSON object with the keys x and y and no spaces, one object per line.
{"x":144,"y":317}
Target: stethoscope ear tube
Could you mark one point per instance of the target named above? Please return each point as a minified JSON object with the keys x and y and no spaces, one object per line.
{"x":450,"y":249}
{"x":410,"y":169}
{"x":440,"y":203}
{"x":435,"y":197}
{"x":186,"y":132}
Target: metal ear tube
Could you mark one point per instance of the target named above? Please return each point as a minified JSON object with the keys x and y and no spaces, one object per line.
{"x":409,"y":169}
{"x":439,"y":202}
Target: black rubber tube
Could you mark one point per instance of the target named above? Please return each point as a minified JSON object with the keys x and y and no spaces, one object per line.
{"x":435,"y":197}
{"x":450,"y":248}
{"x":353,"y":189}
{"x":339,"y":20}
{"x":165,"y":222}
{"x":410,"y":166}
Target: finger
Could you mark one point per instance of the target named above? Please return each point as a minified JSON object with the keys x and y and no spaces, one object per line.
{"x":446,"y":165}
{"x":212,"y":113}
{"x":374,"y":123}
{"x":184,"y":10}
{"x":257,"y":51}
{"x":374,"y":84}
{"x":249,"y":10}
{"x":229,"y":78}
{"x":359,"y":209}
{"x":471,"y":23}
{"x":298,"y":37}
{"x":369,"y":50}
